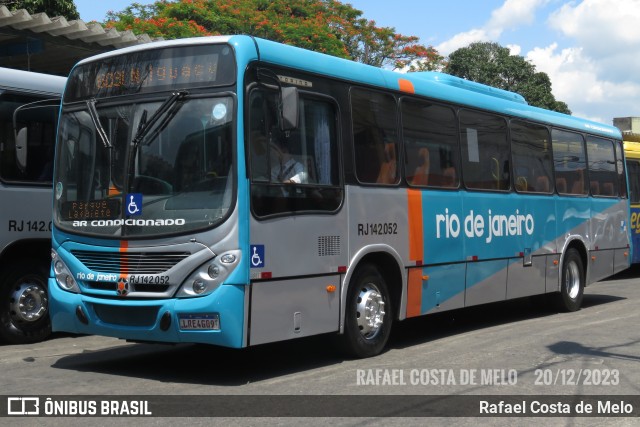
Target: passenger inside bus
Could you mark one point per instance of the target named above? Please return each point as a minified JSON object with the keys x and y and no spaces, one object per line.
{"x":388,"y":168}
{"x":578,"y":183}
{"x":449,"y":175}
{"x":421,"y":173}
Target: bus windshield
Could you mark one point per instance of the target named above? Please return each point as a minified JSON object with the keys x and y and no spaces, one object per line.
{"x":144,"y":169}
{"x":145,"y":142}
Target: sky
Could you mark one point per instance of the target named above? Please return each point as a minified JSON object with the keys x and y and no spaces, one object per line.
{"x":589,"y":48}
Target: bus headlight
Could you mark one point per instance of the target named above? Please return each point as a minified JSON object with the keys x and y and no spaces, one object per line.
{"x":199,"y":286}
{"x":208,"y":277}
{"x":63,"y":275}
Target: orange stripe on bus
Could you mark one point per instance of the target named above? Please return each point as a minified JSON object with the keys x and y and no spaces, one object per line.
{"x":414,"y":292}
{"x":414,"y":198}
{"x":124,"y":264}
{"x":406,"y":86}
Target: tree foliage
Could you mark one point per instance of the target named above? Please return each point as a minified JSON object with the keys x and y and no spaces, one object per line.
{"x":66,"y":8}
{"x":492,"y":64}
{"x":327,"y":26}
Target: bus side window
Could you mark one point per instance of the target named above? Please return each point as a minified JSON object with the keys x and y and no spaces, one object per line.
{"x":532,"y":158}
{"x":569,"y":161}
{"x":485,"y":151}
{"x":307,"y":156}
{"x":375,"y":137}
{"x":620,"y":169}
{"x":38,"y":117}
{"x":603,"y":176}
{"x":633,"y":169}
{"x":430,"y":134}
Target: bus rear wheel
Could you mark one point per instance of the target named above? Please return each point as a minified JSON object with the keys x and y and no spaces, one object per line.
{"x":571,"y":283}
{"x":24,"y":313}
{"x":369,"y":314}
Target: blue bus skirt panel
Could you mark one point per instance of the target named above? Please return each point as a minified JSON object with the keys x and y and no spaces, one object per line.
{"x":473,"y":254}
{"x":227,"y":302}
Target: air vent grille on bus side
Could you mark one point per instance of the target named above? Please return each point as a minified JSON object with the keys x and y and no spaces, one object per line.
{"x":133,"y":263}
{"x":328,"y":245}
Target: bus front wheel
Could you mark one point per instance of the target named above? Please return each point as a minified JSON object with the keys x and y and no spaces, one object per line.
{"x":571,"y":282}
{"x":369,"y":314}
{"x":24,"y":302}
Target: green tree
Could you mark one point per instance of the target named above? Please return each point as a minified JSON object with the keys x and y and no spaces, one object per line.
{"x":327,"y":26}
{"x":492,"y":64}
{"x":66,"y":8}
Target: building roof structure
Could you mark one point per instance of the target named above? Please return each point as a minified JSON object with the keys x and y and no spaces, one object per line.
{"x":52,"y":45}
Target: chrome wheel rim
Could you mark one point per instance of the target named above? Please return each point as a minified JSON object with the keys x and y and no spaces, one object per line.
{"x":29,"y":302}
{"x":369,"y":311}
{"x":572,"y":280}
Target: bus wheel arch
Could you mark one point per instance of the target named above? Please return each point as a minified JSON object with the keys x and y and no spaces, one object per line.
{"x":371,"y":304}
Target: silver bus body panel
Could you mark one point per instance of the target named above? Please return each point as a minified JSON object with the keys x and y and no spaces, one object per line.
{"x":462,"y":282}
{"x":25,"y":214}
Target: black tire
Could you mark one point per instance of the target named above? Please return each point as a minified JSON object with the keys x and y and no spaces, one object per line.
{"x":571,"y":283}
{"x":367,"y":336}
{"x":24,"y":303}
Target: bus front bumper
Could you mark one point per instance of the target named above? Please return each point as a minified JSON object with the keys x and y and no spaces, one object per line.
{"x":216,"y":319}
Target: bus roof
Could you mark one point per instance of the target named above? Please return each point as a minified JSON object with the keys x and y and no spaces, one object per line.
{"x":28,"y":81}
{"x":434,"y":85}
{"x":430,"y":84}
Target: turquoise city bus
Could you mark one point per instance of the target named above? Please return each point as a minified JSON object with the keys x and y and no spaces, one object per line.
{"x":235,"y":191}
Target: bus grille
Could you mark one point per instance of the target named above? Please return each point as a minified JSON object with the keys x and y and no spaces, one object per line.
{"x":132,"y":263}
{"x":126,"y":316}
{"x":138,"y":287}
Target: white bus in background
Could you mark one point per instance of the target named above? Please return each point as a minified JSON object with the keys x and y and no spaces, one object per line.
{"x":29,"y":105}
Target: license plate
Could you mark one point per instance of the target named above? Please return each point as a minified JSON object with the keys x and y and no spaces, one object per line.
{"x":199,"y":322}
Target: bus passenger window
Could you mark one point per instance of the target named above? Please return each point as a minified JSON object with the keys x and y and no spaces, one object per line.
{"x":531,"y":154}
{"x":633,"y":169}
{"x":485,"y":151}
{"x":38,"y":117}
{"x":622,"y":176}
{"x":603,"y":176}
{"x":569,"y":160}
{"x":431,"y":144}
{"x":374,"y":137}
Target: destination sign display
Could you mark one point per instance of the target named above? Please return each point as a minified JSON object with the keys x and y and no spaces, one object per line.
{"x":91,"y":209}
{"x":152,"y":70}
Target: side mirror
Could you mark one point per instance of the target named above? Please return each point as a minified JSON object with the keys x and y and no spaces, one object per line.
{"x":21,"y":149}
{"x":290,"y":100}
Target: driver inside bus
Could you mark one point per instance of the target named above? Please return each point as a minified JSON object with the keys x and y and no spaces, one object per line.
{"x":284,"y":168}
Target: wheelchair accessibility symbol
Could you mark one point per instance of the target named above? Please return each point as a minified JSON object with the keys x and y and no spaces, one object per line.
{"x":257,"y":256}
{"x":134,"y":204}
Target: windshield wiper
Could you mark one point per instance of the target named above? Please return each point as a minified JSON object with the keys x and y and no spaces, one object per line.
{"x":166,"y":111}
{"x":93,"y":113}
